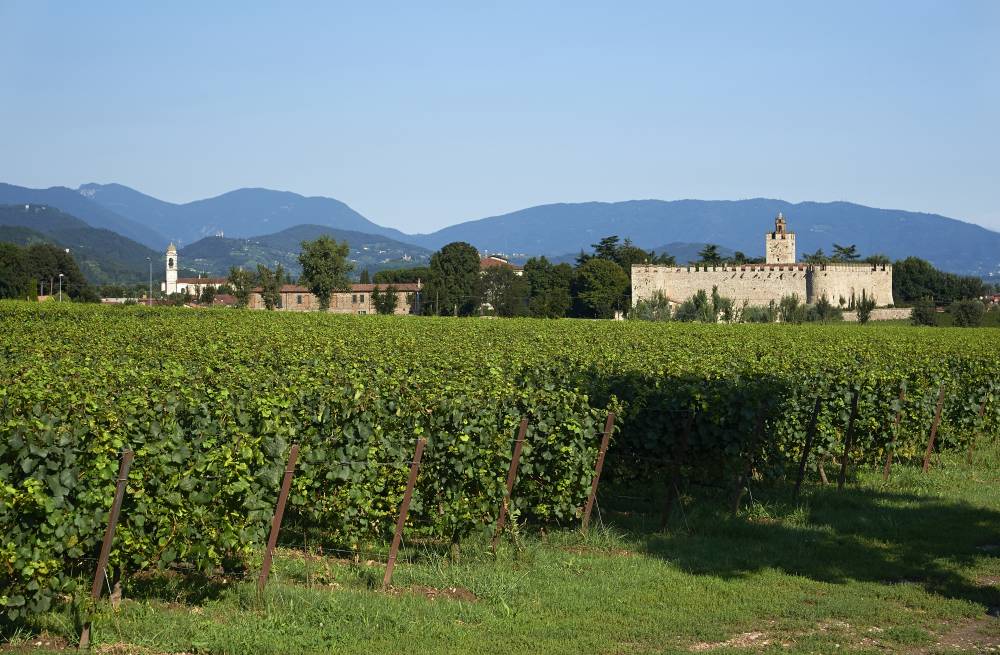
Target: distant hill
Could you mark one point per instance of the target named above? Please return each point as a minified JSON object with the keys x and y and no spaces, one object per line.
{"x":552,"y":230}
{"x":238,"y":214}
{"x":84,"y":209}
{"x":949,"y":244}
{"x":213,"y":256}
{"x":103,"y":256}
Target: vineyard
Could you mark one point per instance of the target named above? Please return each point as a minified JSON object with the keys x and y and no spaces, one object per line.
{"x":210,"y":403}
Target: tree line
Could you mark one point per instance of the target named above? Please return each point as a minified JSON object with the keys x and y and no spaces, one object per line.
{"x":27,"y":272}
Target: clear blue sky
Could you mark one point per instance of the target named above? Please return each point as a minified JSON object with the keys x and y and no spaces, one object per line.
{"x":421,"y":115}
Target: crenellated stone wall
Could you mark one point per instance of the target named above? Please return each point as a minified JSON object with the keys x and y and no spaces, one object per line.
{"x":846,"y":281}
{"x":759,"y":284}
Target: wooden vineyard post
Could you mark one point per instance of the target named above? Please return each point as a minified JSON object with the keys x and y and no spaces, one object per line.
{"x":848,"y":439}
{"x":744,"y":478}
{"x":404,"y":509}
{"x":975,"y":434}
{"x":609,"y":427}
{"x":279,"y":513}
{"x":934,"y":429}
{"x":810,"y":436}
{"x":675,"y":469}
{"x":895,"y":436}
{"x":511,"y":477}
{"x":109,"y":536}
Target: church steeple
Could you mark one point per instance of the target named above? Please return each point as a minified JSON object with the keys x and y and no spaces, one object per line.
{"x":172,"y":266}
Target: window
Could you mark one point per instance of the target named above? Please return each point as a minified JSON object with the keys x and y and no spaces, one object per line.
{"x":298,"y":299}
{"x":361,"y":298}
{"x":354,"y":299}
{"x":362,"y":312}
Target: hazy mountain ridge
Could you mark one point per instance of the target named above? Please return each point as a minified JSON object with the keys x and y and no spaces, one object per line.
{"x":83,"y":208}
{"x":103,"y":256}
{"x":242,"y":213}
{"x":213,"y":256}
{"x":948,"y":243}
{"x":552,"y":230}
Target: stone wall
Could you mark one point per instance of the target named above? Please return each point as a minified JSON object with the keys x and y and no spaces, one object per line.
{"x":836,"y":281}
{"x":883,"y":314}
{"x":340,"y":303}
{"x":759,"y":284}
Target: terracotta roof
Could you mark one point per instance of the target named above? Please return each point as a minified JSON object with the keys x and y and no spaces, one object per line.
{"x":493,"y":262}
{"x":224,"y":299}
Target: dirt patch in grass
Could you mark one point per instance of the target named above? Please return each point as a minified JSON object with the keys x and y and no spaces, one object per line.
{"x":981,"y":636}
{"x":42,"y":641}
{"x":744,"y":640}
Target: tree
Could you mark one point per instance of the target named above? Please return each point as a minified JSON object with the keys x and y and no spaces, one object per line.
{"x":791,"y":309}
{"x":325,"y":268}
{"x":914,"y":278}
{"x":704,"y":309}
{"x":365,"y":278}
{"x":817,"y":257}
{"x":453,"y":285}
{"x":865,"y":307}
{"x":270,"y":285}
{"x":241,"y":281}
{"x":696,"y":308}
{"x":505,"y":291}
{"x":844,"y":253}
{"x":967,"y":313}
{"x":385,"y":301}
{"x":824,"y":312}
{"x":662,"y":259}
{"x":878,"y":259}
{"x":606,"y":248}
{"x":656,"y":308}
{"x":402,"y":275}
{"x":548,"y":288}
{"x":924,"y":312}
{"x":601,"y":287}
{"x":709,"y":255}
{"x":207,"y":295}
{"x":14,"y":279}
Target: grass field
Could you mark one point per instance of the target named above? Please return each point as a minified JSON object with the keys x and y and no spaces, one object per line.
{"x":912,"y":566}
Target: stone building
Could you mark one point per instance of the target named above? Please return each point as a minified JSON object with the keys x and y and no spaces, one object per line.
{"x":358,"y":300}
{"x":759,"y":284}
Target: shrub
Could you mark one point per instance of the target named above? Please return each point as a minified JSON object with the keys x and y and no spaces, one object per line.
{"x":656,"y":308}
{"x":865,"y":307}
{"x":967,"y":313}
{"x":924,"y":312}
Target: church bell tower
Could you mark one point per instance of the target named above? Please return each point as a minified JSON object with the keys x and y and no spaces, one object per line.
{"x":171,"y":285}
{"x":779,"y":246}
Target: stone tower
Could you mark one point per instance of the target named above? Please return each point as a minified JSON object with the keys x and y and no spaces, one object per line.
{"x":171,"y":285}
{"x":779,"y":246}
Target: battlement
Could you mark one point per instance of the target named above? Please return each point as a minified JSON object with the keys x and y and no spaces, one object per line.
{"x":854,"y":267}
{"x":729,"y":268}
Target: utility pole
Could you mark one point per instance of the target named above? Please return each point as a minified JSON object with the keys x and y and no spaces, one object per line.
{"x":60,"y":287}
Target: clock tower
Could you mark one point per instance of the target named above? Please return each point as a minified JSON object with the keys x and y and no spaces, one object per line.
{"x":779,"y":246}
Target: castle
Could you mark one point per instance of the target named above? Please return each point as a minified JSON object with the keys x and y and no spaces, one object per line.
{"x":841,"y":284}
